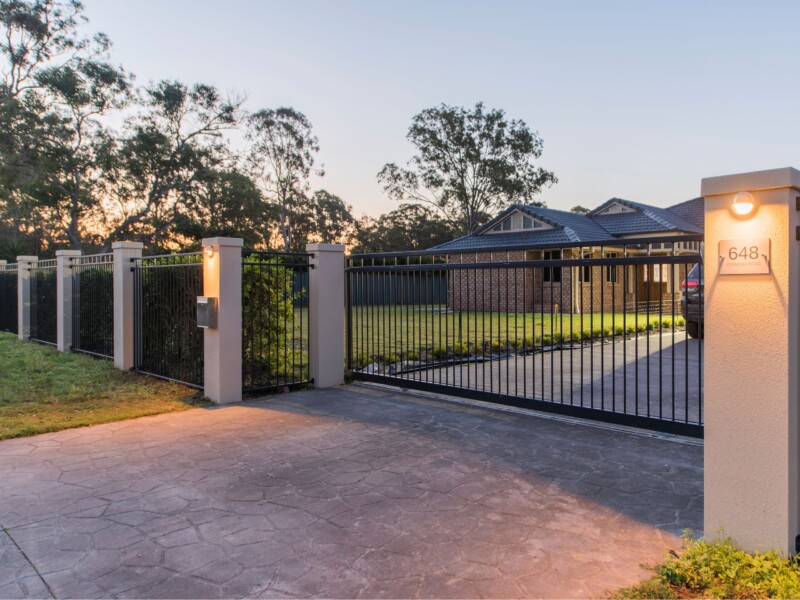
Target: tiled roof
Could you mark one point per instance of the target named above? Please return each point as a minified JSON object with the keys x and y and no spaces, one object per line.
{"x":693,"y":210}
{"x":569,"y":227}
{"x":646,"y":219}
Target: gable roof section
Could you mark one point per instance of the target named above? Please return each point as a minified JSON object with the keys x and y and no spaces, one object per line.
{"x":693,"y":210}
{"x":567,"y":228}
{"x":646,"y":219}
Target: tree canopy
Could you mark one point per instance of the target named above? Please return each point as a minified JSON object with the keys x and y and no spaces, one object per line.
{"x":470,"y":163}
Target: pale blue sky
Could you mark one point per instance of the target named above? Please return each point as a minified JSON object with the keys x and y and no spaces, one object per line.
{"x":633,"y":99}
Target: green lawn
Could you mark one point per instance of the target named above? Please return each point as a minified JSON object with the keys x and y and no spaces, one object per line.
{"x":44,"y":390}
{"x":405,"y":331}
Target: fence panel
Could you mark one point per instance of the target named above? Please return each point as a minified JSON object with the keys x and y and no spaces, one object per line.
{"x":8,"y":299}
{"x":93,"y":305}
{"x":43,"y":283}
{"x":274,"y":320}
{"x":167,"y":342}
{"x":591,"y":332}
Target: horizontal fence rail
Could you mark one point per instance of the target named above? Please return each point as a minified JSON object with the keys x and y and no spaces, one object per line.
{"x":9,"y":319}
{"x":43,"y":294}
{"x":167,"y":342}
{"x":275,"y":327}
{"x":591,"y":331}
{"x":93,"y":305}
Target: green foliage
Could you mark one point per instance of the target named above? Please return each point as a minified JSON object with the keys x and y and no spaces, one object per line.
{"x":720,"y":569}
{"x":409,"y":227}
{"x":271,"y":335}
{"x":495,"y":165}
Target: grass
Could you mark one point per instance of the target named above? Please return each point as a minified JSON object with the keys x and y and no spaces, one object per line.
{"x":44,"y":390}
{"x":406,"y":331}
{"x":719,"y":570}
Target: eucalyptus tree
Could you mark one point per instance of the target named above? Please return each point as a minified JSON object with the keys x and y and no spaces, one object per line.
{"x":468,"y":164}
{"x":281,"y":156}
{"x":162,"y":162}
{"x":323,"y":217}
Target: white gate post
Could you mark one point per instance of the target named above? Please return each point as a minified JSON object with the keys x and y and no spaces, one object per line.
{"x":222,"y":345}
{"x":326,"y":305}
{"x":123,"y":252}
{"x":64,"y":298}
{"x":752,"y":373}
{"x":24,"y":295}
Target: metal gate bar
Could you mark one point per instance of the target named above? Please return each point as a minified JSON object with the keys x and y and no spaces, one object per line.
{"x":592,"y":331}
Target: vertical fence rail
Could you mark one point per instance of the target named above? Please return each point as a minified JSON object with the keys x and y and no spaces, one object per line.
{"x":43,"y":282}
{"x":167,"y":342}
{"x":93,"y":305}
{"x":275,"y":329}
{"x":8,"y":299}
{"x":593,"y":332}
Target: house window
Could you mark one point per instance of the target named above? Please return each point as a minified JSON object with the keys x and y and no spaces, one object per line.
{"x":519,"y":222}
{"x":551,"y":274}
{"x":611,"y":270}
{"x":585,"y":272}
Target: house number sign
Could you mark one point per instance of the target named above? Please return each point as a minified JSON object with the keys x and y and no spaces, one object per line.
{"x":748,"y":256}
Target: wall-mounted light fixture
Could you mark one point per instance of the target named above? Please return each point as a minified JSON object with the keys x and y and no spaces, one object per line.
{"x":743,"y":204}
{"x":209,"y":251}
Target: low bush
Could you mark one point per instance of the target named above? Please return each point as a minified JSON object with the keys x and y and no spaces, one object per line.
{"x":719,"y":569}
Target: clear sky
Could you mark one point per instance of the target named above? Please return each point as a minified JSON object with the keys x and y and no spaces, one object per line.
{"x":638,"y":100}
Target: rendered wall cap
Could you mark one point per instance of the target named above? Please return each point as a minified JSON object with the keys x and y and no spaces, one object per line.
{"x":223,"y":241}
{"x":127,"y":245}
{"x":68,"y":252}
{"x":324,"y":247}
{"x":27,"y":258}
{"x":772,"y":179}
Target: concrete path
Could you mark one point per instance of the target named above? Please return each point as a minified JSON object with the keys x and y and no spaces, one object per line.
{"x":351,"y":492}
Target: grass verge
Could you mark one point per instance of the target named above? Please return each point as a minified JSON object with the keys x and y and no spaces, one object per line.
{"x":44,"y":390}
{"x":719,"y":569}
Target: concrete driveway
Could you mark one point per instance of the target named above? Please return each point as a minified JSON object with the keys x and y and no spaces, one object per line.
{"x":350,"y":492}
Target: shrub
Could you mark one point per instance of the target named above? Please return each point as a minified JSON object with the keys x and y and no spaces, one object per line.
{"x":619,"y":330}
{"x":680,"y":322}
{"x":720,"y":570}
{"x":666,"y":323}
{"x":439,"y":353}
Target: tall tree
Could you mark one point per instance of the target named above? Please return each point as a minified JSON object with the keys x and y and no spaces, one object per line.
{"x":162,"y":163}
{"x":324,"y":218}
{"x":282,"y":158}
{"x":469,"y":163}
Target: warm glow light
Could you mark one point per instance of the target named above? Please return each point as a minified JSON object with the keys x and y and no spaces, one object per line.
{"x":209,"y":251}
{"x":743,"y":204}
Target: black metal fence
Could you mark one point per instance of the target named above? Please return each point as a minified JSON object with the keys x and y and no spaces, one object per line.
{"x":8,"y":299}
{"x":593,"y":332}
{"x":93,"y":305}
{"x":167,"y":342}
{"x":43,"y":290}
{"x":274,"y":320}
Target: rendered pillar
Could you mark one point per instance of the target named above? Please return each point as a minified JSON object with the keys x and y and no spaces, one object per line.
{"x":24,"y":295}
{"x":326,"y":314}
{"x":752,"y":326}
{"x":123,"y":252}
{"x":64,"y":298}
{"x":222,"y":279}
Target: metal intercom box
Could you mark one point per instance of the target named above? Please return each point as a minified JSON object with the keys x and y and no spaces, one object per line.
{"x":207,"y":312}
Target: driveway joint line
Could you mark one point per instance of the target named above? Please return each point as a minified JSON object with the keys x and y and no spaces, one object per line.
{"x":29,"y":561}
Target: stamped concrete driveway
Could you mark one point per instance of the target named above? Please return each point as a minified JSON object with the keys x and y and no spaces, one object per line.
{"x":351,"y":492}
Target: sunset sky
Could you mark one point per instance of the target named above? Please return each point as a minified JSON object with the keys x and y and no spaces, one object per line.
{"x":633,"y":99}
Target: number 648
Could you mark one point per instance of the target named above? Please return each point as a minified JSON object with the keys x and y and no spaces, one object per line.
{"x":743,"y":252}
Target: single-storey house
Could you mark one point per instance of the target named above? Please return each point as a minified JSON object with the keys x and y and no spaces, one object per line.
{"x":524,"y":232}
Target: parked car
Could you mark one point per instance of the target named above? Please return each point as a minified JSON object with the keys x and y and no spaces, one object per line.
{"x":692,"y":301}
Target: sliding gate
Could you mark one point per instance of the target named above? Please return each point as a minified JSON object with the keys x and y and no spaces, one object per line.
{"x":595,"y":332}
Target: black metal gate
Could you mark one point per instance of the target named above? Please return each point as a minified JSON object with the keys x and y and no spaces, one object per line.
{"x":275,"y":328}
{"x":43,"y":290}
{"x":595,"y":332}
{"x":93,"y":305}
{"x":167,"y":342}
{"x":8,"y":298}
